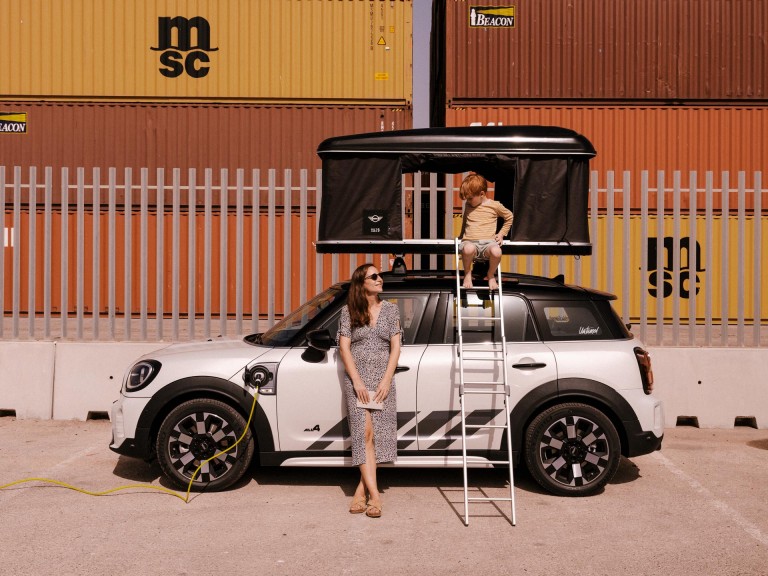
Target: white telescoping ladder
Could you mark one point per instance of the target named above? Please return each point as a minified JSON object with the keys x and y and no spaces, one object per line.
{"x":482,"y":357}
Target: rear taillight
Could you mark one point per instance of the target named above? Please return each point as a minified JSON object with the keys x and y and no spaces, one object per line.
{"x":646,"y":374}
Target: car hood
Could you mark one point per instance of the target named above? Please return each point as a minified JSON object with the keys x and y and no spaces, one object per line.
{"x":216,"y":358}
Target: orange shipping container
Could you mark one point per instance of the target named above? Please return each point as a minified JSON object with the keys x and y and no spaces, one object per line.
{"x":649,"y":138}
{"x":604,"y":50}
{"x":185,"y":136}
{"x":166,"y":50}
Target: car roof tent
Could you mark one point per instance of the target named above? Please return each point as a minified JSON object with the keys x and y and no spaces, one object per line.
{"x":541,"y":173}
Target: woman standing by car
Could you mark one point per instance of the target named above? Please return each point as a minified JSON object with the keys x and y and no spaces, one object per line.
{"x":369,"y":342}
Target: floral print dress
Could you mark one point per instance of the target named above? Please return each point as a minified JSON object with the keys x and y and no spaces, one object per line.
{"x":370,"y":351}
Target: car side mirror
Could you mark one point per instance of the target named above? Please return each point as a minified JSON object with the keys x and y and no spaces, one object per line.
{"x":318,"y":343}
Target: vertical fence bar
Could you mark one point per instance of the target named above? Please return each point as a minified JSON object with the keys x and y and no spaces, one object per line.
{"x":32,"y":251}
{"x":676,"y":283}
{"x":758,"y":258}
{"x":6,"y":242}
{"x":448,"y":224}
{"x":432,"y":219}
{"x":16,"y":233}
{"x":96,"y":253}
{"x":239,"y":247}
{"x":417,"y":216}
{"x":207,"y":248}
{"x":627,"y":259}
{"x":47,"y":264}
{"x":144,"y":254}
{"x":593,"y":189}
{"x":64,"y":252}
{"x":159,"y":253}
{"x":255,"y":247}
{"x":80,"y":249}
{"x":176,"y":255}
{"x":708,"y":277}
{"x":319,"y":259}
{"x":303,"y":224}
{"x":725,"y":254}
{"x":112,"y":255}
{"x":610,"y":239}
{"x":192,"y":253}
{"x":287,"y":268}
{"x":741,"y":245}
{"x":223,"y":246}
{"x":271,"y":248}
{"x":128,"y":251}
{"x":660,"y":190}
{"x":693,"y":257}
{"x":644,"y":192}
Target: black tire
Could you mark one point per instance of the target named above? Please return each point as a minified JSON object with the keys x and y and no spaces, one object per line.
{"x":193,"y":432}
{"x":572,"y":449}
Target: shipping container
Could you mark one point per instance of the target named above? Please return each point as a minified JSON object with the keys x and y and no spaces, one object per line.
{"x":152,"y":136}
{"x":652,"y":138}
{"x":692,"y":284}
{"x":303,"y":51}
{"x":618,"y":50}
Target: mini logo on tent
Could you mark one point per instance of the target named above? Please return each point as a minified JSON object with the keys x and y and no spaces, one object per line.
{"x":492,"y":16}
{"x":375,"y":223}
{"x":13,"y":122}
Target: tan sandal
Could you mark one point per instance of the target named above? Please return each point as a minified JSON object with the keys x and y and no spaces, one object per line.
{"x":374,"y":510}
{"x":358,"y":505}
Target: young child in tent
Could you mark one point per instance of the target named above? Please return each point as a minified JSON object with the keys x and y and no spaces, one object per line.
{"x":479,"y":238}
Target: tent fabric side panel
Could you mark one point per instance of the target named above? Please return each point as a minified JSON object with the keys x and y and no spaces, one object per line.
{"x":362,"y":199}
{"x":550,"y":203}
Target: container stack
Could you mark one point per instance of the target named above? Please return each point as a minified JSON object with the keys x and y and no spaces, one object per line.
{"x":208,"y":84}
{"x":655,"y":85}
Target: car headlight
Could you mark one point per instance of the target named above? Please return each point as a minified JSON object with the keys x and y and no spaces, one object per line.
{"x":141,"y":375}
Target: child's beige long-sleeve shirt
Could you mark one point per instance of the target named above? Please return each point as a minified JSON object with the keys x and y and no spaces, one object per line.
{"x":479,"y":223}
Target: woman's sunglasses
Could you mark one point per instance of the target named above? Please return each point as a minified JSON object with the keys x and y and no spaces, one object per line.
{"x":374,"y":276}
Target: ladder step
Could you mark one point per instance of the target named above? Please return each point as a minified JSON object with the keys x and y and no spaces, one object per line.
{"x":463,"y":318}
{"x":485,"y":392}
{"x":481,"y":426}
{"x":479,"y":499}
{"x":488,"y":351}
{"x":468,"y":383}
{"x":483,"y":359}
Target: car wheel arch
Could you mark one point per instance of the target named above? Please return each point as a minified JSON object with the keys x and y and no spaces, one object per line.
{"x":586,"y":391}
{"x":204,"y":387}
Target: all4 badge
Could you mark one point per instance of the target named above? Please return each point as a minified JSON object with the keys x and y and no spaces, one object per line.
{"x":375,"y":222}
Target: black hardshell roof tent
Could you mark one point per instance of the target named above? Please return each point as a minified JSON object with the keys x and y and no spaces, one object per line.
{"x":541,"y":173}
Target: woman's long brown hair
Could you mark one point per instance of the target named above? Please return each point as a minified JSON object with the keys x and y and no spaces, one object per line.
{"x":357,"y":301}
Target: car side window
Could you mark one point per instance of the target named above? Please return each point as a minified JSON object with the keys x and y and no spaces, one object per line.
{"x":569,"y":320}
{"x":478,"y":325}
{"x":411,"y":308}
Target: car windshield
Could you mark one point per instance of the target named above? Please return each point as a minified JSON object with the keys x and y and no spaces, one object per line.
{"x":284,"y":331}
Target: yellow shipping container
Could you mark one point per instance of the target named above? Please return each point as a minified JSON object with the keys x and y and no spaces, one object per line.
{"x":235,"y":50}
{"x":705,"y":276}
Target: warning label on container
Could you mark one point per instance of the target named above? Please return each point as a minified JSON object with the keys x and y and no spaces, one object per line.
{"x":491,"y":16}
{"x":13,"y":122}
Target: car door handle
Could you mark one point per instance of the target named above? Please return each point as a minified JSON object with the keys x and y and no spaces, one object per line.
{"x":402,"y":369}
{"x":529,"y":365}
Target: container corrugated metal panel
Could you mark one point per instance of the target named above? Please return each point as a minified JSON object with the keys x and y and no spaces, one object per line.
{"x":287,"y":50}
{"x":185,"y":136}
{"x":656,"y":138}
{"x":610,"y":49}
{"x":693,"y":277}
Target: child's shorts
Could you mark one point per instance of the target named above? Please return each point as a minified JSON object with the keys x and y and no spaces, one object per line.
{"x":482,"y":247}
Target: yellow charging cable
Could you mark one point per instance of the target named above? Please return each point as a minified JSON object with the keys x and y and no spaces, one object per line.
{"x":185,"y":497}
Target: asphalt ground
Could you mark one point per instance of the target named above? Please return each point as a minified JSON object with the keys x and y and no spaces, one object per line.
{"x":700,"y":506}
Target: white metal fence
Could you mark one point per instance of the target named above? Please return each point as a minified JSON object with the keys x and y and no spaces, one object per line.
{"x":184,"y":255}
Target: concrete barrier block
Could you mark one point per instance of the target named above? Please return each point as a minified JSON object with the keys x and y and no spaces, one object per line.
{"x":89,"y":375}
{"x":26,"y":378}
{"x":713,"y":385}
